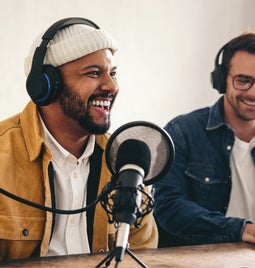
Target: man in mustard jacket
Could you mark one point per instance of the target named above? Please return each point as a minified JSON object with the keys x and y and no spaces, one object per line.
{"x":52,"y":153}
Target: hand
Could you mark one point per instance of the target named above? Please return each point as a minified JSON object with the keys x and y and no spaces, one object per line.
{"x":249,"y":233}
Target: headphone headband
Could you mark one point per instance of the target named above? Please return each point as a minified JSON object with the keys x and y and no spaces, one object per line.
{"x":50,"y":33}
{"x":216,"y":62}
{"x":218,"y":75}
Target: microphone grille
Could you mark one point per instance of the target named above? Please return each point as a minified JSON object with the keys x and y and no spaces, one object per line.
{"x":135,"y":152}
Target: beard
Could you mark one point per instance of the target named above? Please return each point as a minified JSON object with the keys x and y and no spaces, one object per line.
{"x":75,"y":108}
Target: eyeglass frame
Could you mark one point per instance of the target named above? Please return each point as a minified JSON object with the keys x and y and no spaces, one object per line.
{"x":251,"y":81}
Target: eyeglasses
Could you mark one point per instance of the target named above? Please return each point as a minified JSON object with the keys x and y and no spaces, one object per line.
{"x":242,"y":82}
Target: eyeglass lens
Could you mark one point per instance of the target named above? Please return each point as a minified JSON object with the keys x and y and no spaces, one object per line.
{"x":242,"y":82}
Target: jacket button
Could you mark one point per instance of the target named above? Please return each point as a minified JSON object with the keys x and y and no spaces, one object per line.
{"x":25,"y":232}
{"x":207,"y":179}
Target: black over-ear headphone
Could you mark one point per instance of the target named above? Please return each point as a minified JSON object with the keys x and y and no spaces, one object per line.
{"x":44,"y":82}
{"x":219,"y":74}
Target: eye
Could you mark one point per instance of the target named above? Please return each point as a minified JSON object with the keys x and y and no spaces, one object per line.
{"x":113,"y":74}
{"x":93,"y":73}
{"x":243,"y":79}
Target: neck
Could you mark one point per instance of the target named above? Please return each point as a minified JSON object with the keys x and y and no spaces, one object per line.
{"x":66,"y":131}
{"x":244,"y":129}
{"x":245,"y":134}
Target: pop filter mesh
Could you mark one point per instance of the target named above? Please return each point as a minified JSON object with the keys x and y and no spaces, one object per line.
{"x":157,"y":139}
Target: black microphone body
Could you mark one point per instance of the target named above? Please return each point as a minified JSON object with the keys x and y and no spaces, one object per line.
{"x":128,"y":198}
{"x":126,"y":205}
{"x":133,"y":161}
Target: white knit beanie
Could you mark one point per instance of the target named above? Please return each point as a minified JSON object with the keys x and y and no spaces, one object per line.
{"x":71,"y":43}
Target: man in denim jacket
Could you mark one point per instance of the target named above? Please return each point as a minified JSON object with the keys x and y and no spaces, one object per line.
{"x":208,"y":195}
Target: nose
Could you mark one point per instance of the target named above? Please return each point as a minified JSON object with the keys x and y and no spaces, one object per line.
{"x":109,"y":83}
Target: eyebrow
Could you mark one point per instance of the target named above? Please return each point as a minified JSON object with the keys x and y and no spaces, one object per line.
{"x":246,"y":75}
{"x":96,"y":66}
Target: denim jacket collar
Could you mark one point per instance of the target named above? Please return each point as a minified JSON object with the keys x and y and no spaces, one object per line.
{"x":216,"y":119}
{"x":216,"y":115}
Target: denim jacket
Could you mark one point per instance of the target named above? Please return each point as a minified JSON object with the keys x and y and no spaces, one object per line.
{"x":192,"y":199}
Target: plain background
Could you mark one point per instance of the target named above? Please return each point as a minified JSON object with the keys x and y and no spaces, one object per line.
{"x":166,"y":49}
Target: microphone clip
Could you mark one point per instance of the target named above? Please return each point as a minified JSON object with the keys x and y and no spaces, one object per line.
{"x":109,"y":196}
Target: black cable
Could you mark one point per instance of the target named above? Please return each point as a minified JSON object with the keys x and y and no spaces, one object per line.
{"x":45,"y":208}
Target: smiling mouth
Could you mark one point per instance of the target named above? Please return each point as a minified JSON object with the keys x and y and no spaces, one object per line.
{"x":249,"y":102}
{"x":102,"y":104}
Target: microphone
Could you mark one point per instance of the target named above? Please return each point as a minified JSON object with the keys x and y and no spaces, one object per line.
{"x":132,"y":164}
{"x":138,"y":154}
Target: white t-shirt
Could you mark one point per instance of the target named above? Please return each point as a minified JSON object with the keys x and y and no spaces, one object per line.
{"x":70,"y":182}
{"x":242,"y":197}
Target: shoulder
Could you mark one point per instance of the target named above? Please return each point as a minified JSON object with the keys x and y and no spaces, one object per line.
{"x":15,"y":122}
{"x":9,"y":124}
{"x":199,"y":116}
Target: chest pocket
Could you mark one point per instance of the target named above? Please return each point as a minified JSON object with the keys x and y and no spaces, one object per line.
{"x":209,"y":185}
{"x":21,"y":228}
{"x":19,"y":236}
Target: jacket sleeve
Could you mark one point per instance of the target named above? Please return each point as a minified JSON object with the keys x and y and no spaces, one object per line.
{"x":177,"y":210}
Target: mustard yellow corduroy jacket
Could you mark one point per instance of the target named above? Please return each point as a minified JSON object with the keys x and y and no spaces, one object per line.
{"x":24,"y":161}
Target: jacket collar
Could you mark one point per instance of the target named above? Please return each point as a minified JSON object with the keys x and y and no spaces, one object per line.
{"x":33,"y":132}
{"x":216,"y":115}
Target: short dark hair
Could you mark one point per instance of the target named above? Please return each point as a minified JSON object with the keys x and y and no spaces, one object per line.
{"x":245,"y":42}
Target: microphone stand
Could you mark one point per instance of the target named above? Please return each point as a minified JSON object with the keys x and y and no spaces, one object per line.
{"x":107,"y":260}
{"x":118,"y":252}
{"x":121,"y":244}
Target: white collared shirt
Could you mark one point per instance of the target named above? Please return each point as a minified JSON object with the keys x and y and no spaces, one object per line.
{"x":70,"y":181}
{"x":242,"y":202}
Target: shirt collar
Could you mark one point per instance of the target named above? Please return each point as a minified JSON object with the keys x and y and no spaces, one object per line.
{"x":60,"y":154}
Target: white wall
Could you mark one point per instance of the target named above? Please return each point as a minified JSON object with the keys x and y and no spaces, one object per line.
{"x":166,"y":49}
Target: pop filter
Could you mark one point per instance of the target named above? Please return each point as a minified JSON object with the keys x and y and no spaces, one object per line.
{"x":157,"y":139}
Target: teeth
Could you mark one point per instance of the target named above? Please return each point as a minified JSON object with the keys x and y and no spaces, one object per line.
{"x":107,"y":103}
{"x":249,"y":102}
{"x":101,"y":103}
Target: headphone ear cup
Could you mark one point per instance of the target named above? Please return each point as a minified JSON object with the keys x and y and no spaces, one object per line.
{"x":43,"y":89}
{"x":55,"y":82}
{"x":218,"y":78}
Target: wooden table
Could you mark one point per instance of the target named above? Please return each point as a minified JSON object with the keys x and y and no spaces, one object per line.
{"x":227,"y":255}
